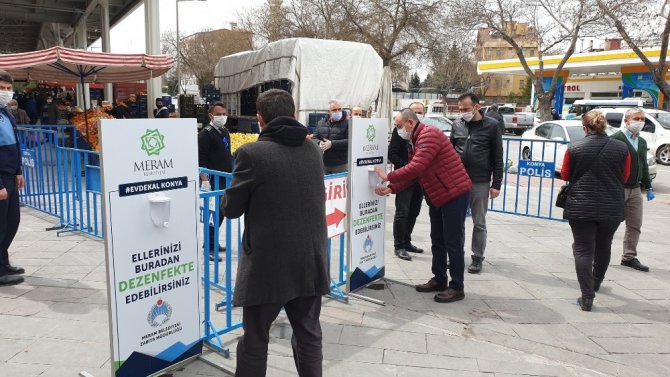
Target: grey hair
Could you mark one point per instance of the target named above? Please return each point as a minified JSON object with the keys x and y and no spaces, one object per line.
{"x":12,"y":101}
{"x":335,"y":102}
{"x":407,"y":114}
{"x":633,"y":110}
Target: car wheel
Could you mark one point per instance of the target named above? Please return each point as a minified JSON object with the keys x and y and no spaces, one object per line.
{"x":525,"y":155}
{"x":663,"y":154}
{"x":519,"y":132}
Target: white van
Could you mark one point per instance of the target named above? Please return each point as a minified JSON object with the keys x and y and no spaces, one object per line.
{"x":656,"y":130}
{"x":583,"y":106}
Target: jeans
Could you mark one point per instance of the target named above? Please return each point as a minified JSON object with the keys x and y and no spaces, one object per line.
{"x":479,"y":202}
{"x":592,"y":249}
{"x":447,"y":235}
{"x":407,"y":208}
{"x":252,"y":349}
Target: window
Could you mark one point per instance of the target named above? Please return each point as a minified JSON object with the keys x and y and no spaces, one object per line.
{"x":648,"y":126}
{"x":522,"y":84}
{"x":543,"y":130}
{"x":557,"y":132}
{"x":532,"y":52}
{"x":614,"y":119}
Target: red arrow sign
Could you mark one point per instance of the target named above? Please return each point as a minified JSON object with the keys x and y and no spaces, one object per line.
{"x":335,"y":217}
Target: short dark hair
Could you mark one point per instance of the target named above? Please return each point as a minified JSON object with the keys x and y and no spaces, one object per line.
{"x":215,"y":104}
{"x":6,"y":77}
{"x":275,"y":103}
{"x":158,"y":99}
{"x":473,"y":97}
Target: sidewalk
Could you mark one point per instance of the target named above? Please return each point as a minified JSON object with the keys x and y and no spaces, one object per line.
{"x":519,"y":316}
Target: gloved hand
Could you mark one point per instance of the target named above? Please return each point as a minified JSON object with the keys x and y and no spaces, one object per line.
{"x":650,"y":195}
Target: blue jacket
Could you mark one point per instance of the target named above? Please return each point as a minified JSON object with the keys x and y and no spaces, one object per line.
{"x":10,"y":153}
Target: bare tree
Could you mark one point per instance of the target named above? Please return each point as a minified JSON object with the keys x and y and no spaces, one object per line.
{"x":655,"y":17}
{"x":199,"y":53}
{"x":453,"y":69}
{"x":396,"y":29}
{"x":558,"y":25}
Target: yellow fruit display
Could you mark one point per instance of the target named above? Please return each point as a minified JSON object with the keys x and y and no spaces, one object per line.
{"x":238,"y":139}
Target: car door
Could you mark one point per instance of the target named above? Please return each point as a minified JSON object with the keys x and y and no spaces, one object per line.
{"x":648,"y":132}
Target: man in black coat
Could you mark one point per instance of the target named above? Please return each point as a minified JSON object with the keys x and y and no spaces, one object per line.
{"x":278,"y":186}
{"x":407,"y":201}
{"x":333,"y":137}
{"x":161,"y":111}
{"x":214,"y":153}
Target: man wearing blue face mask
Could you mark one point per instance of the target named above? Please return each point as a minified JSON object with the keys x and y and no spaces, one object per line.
{"x":214,"y":154}
{"x":639,"y":179}
{"x":478,"y":140}
{"x":332,"y":135}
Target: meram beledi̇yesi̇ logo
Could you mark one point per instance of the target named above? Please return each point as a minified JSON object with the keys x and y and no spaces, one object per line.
{"x":153,"y":142}
{"x":371,"y":133}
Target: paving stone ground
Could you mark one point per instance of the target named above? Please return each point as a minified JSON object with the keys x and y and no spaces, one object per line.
{"x":519,"y":316}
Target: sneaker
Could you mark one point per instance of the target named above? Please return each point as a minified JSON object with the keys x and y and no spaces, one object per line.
{"x":413,"y":249}
{"x":635,"y":263}
{"x":449,"y":295}
{"x":10,"y":280}
{"x":585,"y":303}
{"x":402,"y":254}
{"x":475,"y":267}
{"x":431,"y":286}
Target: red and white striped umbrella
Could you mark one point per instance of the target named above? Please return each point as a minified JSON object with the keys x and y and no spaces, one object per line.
{"x":66,"y":64}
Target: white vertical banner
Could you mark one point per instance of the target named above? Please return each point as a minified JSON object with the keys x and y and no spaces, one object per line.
{"x":150,"y":201}
{"x":368,"y":147}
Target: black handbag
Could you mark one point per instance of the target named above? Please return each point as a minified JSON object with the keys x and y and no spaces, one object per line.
{"x":562,"y":196}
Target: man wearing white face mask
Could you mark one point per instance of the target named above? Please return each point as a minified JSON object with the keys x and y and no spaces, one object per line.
{"x":214,"y":154}
{"x":333,"y":138}
{"x":11,"y":182}
{"x":478,"y":140}
{"x":639,"y":179}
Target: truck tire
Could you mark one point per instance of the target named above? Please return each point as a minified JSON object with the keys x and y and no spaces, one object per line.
{"x":525,"y":154}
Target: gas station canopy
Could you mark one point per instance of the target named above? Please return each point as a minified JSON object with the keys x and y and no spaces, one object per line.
{"x":29,"y":25}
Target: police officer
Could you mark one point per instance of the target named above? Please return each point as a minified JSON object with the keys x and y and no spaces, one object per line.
{"x":214,"y":154}
{"x":11,"y":182}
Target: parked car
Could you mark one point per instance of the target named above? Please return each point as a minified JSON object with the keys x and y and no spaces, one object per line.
{"x":656,"y":130}
{"x":542,"y":141}
{"x":439,"y":121}
{"x":515,"y":122}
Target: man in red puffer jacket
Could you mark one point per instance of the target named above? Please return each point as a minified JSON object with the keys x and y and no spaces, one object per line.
{"x":438,"y":168}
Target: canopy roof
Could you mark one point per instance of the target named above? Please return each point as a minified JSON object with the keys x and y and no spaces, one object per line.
{"x":65,"y":64}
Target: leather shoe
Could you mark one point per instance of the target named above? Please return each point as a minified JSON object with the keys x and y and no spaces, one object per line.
{"x":431,"y":286}
{"x":222,"y":248}
{"x":475,"y":267}
{"x":635,"y":263}
{"x":413,"y":249}
{"x":585,"y":303}
{"x":449,"y":295}
{"x":211,"y":257}
{"x":10,"y":280}
{"x":11,"y":270}
{"x":402,"y":254}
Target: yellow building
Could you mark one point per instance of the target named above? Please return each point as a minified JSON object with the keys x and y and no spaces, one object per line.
{"x":491,"y":46}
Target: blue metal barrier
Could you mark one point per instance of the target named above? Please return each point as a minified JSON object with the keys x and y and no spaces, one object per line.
{"x":215,"y":284}
{"x":531,"y":178}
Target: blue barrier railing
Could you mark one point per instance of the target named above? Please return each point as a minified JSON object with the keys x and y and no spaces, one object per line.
{"x":531,"y":178}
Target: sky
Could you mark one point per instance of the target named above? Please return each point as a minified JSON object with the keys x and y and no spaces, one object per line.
{"x":128,"y":35}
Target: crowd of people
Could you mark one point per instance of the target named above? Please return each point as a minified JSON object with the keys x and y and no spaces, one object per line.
{"x":284,"y":264}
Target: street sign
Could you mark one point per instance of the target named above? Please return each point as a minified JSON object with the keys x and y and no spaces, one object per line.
{"x":336,"y":205}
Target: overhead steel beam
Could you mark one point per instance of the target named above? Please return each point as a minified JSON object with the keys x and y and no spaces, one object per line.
{"x":38,"y":17}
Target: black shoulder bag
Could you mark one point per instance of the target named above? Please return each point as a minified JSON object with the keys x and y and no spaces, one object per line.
{"x":562,"y":196}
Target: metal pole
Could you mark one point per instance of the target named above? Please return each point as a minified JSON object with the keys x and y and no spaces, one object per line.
{"x":177,"y":61}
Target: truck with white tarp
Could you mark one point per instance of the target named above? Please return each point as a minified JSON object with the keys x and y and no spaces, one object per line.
{"x":314,"y":71}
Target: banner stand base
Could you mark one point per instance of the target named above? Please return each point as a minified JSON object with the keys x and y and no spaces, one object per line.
{"x":366,"y":298}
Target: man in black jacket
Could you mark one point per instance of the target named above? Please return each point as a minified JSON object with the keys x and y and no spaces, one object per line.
{"x":333,"y":137}
{"x":479,"y":142}
{"x":214,"y":154}
{"x":408,"y":201}
{"x":161,"y":111}
{"x":11,"y":182}
{"x":278,"y":186}
{"x":493,"y":113}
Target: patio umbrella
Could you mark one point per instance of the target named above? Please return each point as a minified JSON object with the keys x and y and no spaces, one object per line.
{"x":66,"y":64}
